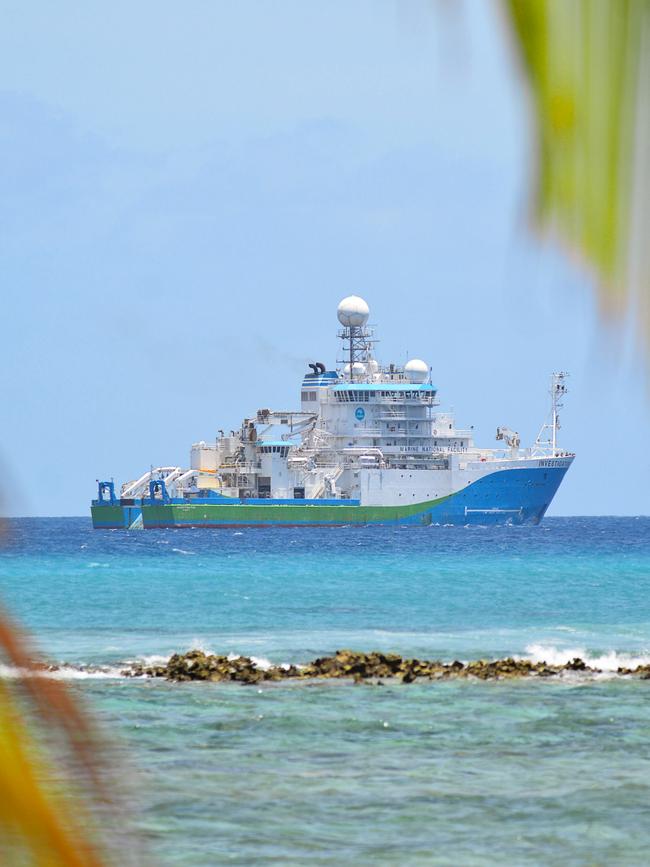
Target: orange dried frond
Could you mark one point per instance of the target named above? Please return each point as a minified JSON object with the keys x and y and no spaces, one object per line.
{"x":36,"y":816}
{"x":32,"y":818}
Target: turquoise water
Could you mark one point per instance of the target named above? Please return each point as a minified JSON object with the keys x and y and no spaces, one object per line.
{"x":550,"y":772}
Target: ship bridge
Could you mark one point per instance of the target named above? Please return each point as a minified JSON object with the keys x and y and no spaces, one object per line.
{"x":364,"y":392}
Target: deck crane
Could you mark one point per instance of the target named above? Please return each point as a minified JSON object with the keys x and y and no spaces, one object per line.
{"x":510,"y":437}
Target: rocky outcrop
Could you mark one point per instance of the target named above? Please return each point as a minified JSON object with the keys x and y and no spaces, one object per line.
{"x":641,"y":671}
{"x":197,"y":665}
{"x":358,"y":667}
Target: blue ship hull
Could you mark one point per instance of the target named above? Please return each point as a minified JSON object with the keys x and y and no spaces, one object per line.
{"x":507,"y":497}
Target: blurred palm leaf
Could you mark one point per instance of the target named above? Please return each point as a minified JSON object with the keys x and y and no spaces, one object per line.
{"x":588,"y":65}
{"x":32,"y":819}
{"x":40,"y":822}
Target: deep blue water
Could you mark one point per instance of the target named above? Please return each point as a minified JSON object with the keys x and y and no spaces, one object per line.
{"x":471,"y":773}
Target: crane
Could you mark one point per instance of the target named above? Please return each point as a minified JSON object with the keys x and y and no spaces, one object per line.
{"x":510,"y":437}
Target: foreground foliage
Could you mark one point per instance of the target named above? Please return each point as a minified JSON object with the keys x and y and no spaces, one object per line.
{"x":587,"y":63}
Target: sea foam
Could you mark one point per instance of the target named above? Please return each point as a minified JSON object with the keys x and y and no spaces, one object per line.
{"x":65,"y":672}
{"x":610,"y":660}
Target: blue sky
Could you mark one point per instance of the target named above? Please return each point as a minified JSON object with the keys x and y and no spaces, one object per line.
{"x":187,"y":190}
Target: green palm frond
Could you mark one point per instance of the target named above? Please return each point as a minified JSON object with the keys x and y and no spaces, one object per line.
{"x":588,"y":65}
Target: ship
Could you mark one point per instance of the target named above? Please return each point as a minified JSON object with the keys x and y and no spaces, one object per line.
{"x":369,"y":445}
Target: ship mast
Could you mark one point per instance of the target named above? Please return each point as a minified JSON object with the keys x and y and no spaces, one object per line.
{"x":557,"y":391}
{"x":357,"y":340}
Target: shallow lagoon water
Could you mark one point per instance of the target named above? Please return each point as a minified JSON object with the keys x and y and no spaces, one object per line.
{"x":553,"y":772}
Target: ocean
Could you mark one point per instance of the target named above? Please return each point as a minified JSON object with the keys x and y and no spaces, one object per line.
{"x":535,"y":771}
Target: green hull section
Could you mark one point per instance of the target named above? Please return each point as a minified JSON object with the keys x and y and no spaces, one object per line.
{"x":199,"y":515}
{"x":116,"y":517}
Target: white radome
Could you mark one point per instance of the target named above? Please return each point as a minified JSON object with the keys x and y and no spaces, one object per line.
{"x":358,"y":369}
{"x":416,"y":370}
{"x":353,"y":312}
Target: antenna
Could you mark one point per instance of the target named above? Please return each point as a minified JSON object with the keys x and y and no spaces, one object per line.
{"x":557,"y":391}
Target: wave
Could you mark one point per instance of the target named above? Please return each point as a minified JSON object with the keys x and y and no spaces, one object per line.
{"x":260,"y":662}
{"x":611,"y":660}
{"x":148,"y":661}
{"x":65,"y":672}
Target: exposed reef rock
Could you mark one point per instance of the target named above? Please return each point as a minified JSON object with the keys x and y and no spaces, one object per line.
{"x":197,"y":665}
{"x":358,"y":667}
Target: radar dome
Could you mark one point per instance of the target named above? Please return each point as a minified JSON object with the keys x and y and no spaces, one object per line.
{"x":416,"y":370}
{"x":353,"y":312}
{"x":358,"y":369}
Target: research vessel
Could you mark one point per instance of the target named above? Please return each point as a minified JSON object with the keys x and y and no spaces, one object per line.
{"x":369,"y":445}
